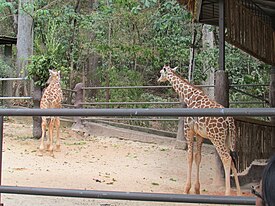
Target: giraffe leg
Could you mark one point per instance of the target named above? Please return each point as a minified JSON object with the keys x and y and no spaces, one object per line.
{"x":234,"y":170}
{"x":226,"y":161}
{"x":41,"y":147}
{"x":51,"y":126}
{"x":57,"y":126}
{"x":198,"y":161}
{"x":227,"y":168}
{"x":190,"y":141}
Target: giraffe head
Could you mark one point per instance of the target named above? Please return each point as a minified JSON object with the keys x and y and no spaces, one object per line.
{"x":164,"y":73}
{"x":54,"y":76}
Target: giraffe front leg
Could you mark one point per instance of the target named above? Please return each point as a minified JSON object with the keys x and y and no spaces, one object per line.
{"x":190,"y":141}
{"x":41,"y":147}
{"x":51,"y":137}
{"x":57,"y":126}
{"x":198,"y":162}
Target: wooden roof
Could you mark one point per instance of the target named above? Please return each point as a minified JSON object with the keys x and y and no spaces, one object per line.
{"x":7,"y":40}
{"x":207,"y":11}
{"x":250,"y":23}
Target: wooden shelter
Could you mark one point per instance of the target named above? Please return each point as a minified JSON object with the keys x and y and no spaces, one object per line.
{"x":8,"y":42}
{"x":250,"y":26}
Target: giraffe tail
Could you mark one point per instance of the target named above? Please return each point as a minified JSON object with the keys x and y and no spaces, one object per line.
{"x":234,"y":157}
{"x":232,"y":141}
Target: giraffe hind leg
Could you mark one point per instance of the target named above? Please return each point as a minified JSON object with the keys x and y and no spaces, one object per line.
{"x":190,"y":141}
{"x":57,"y":126}
{"x":234,"y":170}
{"x":51,"y":126}
{"x":198,"y":162}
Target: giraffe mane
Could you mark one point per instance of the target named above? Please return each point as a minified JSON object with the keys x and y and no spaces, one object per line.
{"x":187,"y":82}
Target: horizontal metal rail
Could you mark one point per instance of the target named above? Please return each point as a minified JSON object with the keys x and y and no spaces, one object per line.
{"x":126,"y":103}
{"x":137,"y":196}
{"x":132,"y":103}
{"x":126,"y":87}
{"x":176,"y":112}
{"x":9,"y":98}
{"x":167,"y":86}
{"x":13,"y":79}
{"x":129,"y":119}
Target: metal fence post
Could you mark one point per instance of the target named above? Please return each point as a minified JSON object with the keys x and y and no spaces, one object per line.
{"x":78,"y":104}
{"x":1,"y":153}
{"x":272,"y":101}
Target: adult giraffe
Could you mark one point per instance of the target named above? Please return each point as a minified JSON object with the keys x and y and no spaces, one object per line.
{"x":221,"y":131}
{"x":51,"y":98}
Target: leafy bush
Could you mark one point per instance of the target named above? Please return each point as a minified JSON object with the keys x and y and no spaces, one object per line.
{"x":5,"y":69}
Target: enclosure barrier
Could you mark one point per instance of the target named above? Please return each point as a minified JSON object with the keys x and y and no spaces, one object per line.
{"x":134,"y":196}
{"x":177,"y":112}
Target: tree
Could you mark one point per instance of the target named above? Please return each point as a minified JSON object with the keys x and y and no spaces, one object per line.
{"x":24,"y":41}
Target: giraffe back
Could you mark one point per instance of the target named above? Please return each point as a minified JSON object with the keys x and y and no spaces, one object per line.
{"x":52,"y":95}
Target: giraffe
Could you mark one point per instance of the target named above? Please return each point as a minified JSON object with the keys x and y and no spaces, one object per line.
{"x":51,"y":98}
{"x":221,"y":131}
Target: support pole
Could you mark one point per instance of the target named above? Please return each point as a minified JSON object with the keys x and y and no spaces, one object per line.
{"x":221,"y":86}
{"x":272,"y":102}
{"x":1,"y":153}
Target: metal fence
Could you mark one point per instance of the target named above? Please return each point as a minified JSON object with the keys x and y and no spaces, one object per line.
{"x":178,"y":112}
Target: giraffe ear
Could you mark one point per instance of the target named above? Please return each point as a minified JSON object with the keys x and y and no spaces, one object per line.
{"x":174,"y":69}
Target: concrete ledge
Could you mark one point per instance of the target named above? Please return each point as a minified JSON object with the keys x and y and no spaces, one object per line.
{"x":91,"y":128}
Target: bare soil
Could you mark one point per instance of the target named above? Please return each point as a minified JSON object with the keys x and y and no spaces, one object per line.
{"x":100,"y":160}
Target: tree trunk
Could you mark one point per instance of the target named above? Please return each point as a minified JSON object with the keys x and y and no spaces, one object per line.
{"x":208,"y":44}
{"x":192,"y":55}
{"x":24,"y":44}
{"x":37,"y":120}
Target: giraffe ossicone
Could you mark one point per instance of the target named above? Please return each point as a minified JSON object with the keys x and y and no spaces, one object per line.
{"x":51,"y":98}
{"x":221,"y":131}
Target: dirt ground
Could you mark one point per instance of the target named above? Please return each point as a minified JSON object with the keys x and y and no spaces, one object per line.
{"x":99,"y":161}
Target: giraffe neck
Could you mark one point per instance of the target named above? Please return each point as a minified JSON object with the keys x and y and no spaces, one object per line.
{"x":55,"y":83}
{"x":185,"y":90}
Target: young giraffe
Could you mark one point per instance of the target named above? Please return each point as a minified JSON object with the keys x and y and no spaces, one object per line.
{"x":51,"y":98}
{"x":221,"y":131}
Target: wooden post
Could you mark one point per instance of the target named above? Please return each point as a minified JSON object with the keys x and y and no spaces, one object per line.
{"x":181,"y":141}
{"x":7,"y":85}
{"x":221,"y":86}
{"x":272,"y":102}
{"x":77,"y":104}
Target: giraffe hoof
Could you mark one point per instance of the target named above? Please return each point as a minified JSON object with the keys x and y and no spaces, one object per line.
{"x":58,"y":148}
{"x":197,"y":192}
{"x":40,"y":154}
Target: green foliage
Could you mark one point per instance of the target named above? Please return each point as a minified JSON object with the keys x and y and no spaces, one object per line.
{"x":5,"y":69}
{"x":121,"y":77}
{"x":39,"y":67}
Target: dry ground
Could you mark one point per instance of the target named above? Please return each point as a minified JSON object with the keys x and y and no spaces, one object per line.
{"x":96,"y":162}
